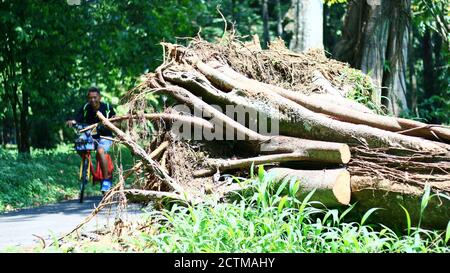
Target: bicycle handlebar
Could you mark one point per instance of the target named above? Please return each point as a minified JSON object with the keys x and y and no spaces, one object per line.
{"x":80,"y":126}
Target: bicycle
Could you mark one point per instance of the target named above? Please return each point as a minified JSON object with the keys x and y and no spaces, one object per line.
{"x":84,"y":144}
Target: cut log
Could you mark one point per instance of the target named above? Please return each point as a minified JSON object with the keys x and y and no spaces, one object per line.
{"x":373,"y":192}
{"x":332,"y":186}
{"x":137,"y":195}
{"x":228,"y":164}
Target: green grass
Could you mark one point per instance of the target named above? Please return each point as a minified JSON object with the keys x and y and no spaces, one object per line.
{"x":266,"y":219}
{"x":272,"y":220}
{"x":48,"y":176}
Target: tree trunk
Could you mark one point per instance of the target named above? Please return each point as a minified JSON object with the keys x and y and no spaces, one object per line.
{"x":306,"y":26}
{"x":364,"y":41}
{"x":279,"y":19}
{"x":265,"y":17}
{"x":24,"y":147}
{"x":373,"y":192}
{"x":412,"y":103}
{"x":297,"y":121}
{"x":394,"y":77}
{"x":24,"y":124}
{"x":233,"y":11}
{"x":375,"y":40}
{"x":428,"y":67}
{"x":351,"y":114}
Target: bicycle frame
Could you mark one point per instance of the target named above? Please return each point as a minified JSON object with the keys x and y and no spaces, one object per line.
{"x":86,"y":160}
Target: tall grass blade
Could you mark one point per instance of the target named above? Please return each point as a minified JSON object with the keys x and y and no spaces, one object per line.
{"x":367,"y":215}
{"x":424,"y":203}
{"x":282,"y":186}
{"x":408,"y":219}
{"x":447,"y":233}
{"x":347,"y":211}
{"x":282,"y":202}
{"x":261,"y":172}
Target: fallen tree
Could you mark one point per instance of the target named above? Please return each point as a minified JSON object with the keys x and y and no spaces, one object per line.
{"x":330,"y":143}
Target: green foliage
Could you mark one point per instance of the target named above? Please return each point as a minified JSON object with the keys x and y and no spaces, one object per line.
{"x":332,"y":2}
{"x":363,"y":89}
{"x":431,"y":59}
{"x":48,"y":176}
{"x":271,"y":222}
{"x":55,"y":51}
{"x":434,"y":14}
{"x":435,"y":108}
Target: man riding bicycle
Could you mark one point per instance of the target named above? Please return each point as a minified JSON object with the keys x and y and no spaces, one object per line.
{"x":88,"y":115}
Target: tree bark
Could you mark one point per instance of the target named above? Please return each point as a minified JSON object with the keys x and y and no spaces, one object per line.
{"x":394,"y":78}
{"x":354,"y":114}
{"x":279,"y":19}
{"x":24,"y":117}
{"x":375,"y":37}
{"x":265,"y":17}
{"x":306,"y":25}
{"x":298,"y":121}
{"x":373,"y":192}
{"x":313,"y":150}
{"x":364,"y":41}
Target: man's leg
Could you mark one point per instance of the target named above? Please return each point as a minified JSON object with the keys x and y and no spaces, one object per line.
{"x":101,"y":155}
{"x":102,"y":150}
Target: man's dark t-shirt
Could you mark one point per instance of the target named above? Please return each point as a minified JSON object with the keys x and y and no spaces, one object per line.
{"x":87,"y":115}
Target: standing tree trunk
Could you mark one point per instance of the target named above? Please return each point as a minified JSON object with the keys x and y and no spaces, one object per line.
{"x":279,"y":19}
{"x":394,"y":76}
{"x":233,"y":12}
{"x":13,"y":101}
{"x":265,"y":17}
{"x":306,"y":24}
{"x":375,"y":40}
{"x":24,"y":123}
{"x":24,"y":147}
{"x":412,"y":103}
{"x":428,"y":66}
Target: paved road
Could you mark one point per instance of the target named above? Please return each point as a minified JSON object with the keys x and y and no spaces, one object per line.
{"x":17,"y":228}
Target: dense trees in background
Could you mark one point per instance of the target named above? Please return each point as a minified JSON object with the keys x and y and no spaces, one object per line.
{"x":51,"y":52}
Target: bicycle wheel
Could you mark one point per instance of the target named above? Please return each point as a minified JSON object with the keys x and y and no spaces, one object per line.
{"x":84,"y":178}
